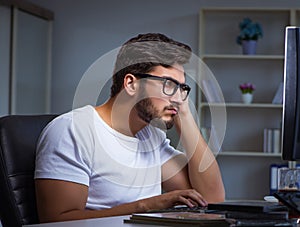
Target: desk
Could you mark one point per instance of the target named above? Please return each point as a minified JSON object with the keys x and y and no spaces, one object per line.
{"x":101,"y":222}
{"x":117,"y":221}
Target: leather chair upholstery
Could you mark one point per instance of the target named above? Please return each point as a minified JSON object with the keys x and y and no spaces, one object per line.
{"x":18,"y":138}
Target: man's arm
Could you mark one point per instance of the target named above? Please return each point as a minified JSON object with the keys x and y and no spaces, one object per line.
{"x":202,"y":171}
{"x":59,"y":200}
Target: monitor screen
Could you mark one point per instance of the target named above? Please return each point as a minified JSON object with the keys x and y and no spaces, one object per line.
{"x":291,"y":96}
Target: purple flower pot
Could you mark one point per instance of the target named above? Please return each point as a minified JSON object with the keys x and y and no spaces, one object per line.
{"x":249,"y":47}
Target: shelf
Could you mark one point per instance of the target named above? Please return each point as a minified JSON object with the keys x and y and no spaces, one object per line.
{"x":242,"y":159}
{"x":240,"y":56}
{"x":248,"y":153}
{"x":242,"y":105}
{"x":243,"y":9}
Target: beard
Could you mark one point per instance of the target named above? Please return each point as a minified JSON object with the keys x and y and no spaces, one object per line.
{"x":148,"y":113}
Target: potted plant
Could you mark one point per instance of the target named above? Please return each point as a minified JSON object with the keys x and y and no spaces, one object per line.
{"x":247,"y":89}
{"x":250,"y":32}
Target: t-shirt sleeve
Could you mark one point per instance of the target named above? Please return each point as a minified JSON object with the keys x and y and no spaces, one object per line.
{"x":59,"y":155}
{"x":168,"y":151}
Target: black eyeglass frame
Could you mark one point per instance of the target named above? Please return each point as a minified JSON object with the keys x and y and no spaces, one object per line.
{"x":182,"y":86}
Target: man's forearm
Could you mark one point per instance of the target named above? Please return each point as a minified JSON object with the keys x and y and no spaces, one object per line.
{"x":76,"y":214}
{"x":204,"y":173}
{"x":159,"y":202}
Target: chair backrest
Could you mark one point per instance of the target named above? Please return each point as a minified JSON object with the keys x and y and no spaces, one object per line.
{"x":18,"y":138}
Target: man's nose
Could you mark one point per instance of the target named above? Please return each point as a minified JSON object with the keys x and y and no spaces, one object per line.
{"x":176,"y":97}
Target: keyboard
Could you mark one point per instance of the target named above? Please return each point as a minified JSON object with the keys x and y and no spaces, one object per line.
{"x":181,"y":208}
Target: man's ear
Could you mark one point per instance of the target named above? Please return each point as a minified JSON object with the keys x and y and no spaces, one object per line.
{"x":130,"y":84}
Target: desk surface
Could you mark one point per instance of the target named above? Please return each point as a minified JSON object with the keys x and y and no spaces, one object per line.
{"x":103,"y":222}
{"x":117,"y":221}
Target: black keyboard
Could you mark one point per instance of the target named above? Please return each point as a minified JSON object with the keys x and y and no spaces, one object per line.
{"x":181,"y":208}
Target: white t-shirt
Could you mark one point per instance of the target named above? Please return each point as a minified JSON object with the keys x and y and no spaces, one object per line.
{"x":80,"y":147}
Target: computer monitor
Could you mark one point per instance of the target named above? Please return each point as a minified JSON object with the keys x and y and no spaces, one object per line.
{"x":291,"y":96}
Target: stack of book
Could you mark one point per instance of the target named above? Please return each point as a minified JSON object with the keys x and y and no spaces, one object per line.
{"x":232,"y":213}
{"x":253,"y":212}
{"x":271,"y":141}
{"x":181,"y":219}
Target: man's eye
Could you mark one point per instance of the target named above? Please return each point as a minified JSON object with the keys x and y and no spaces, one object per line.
{"x":170,"y":84}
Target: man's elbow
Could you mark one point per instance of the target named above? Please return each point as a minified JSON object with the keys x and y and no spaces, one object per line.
{"x":220,"y":197}
{"x":216,"y":197}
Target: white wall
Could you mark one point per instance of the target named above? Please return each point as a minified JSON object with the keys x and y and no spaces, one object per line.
{"x":84,"y":30}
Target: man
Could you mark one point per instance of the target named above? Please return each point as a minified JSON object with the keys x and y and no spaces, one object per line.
{"x":115,"y":159}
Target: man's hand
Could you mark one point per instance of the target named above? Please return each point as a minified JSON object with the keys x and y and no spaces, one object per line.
{"x":184,"y":108}
{"x":189,"y":197}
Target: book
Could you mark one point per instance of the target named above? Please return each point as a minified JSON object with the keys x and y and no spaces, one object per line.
{"x":271,"y":140}
{"x":263,"y":222}
{"x":273,"y":178}
{"x":210,"y":91}
{"x":267,"y":140}
{"x":276,"y":215}
{"x":181,"y":219}
{"x":276,"y":140}
{"x":278,"y":97}
{"x":247,"y":206}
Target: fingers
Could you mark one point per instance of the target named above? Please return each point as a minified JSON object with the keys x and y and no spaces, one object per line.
{"x":188,"y":197}
{"x":192,"y":198}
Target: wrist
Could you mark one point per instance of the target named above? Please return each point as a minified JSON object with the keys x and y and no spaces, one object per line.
{"x":183,"y":117}
{"x":142,"y":206}
{"x":184,"y":109}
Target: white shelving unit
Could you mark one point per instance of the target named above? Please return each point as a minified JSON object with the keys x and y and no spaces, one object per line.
{"x":243,"y":163}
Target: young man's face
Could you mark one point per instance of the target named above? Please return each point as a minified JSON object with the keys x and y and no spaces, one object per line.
{"x":157,"y":106}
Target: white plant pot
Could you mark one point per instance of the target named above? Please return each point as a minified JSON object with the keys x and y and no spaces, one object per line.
{"x":247,"y":98}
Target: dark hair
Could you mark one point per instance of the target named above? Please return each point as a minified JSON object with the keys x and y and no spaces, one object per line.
{"x":145,"y":51}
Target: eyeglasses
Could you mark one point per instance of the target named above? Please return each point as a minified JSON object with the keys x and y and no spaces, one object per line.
{"x":170,"y":85}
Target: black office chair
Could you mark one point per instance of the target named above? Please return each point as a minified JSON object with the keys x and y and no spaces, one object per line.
{"x":18,"y":138}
